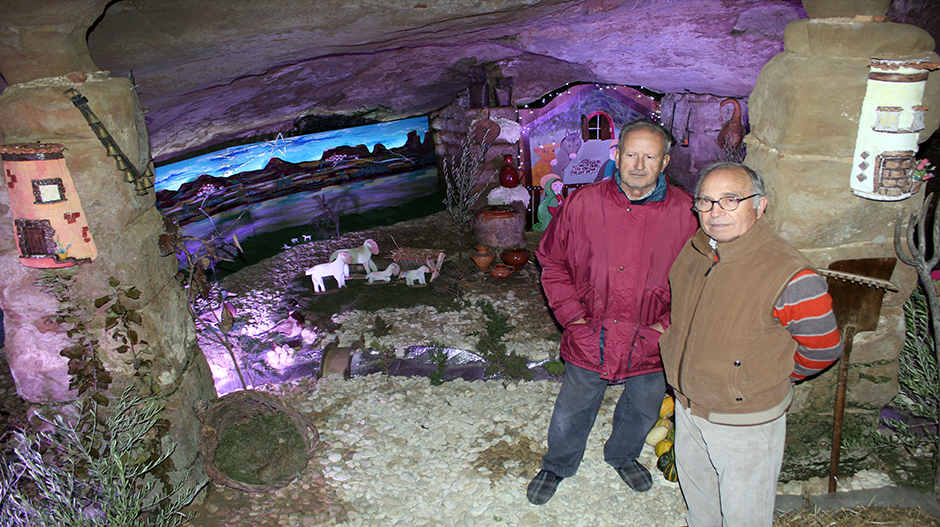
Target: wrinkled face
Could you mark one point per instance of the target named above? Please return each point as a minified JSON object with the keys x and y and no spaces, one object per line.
{"x":640,"y":159}
{"x":719,"y":224}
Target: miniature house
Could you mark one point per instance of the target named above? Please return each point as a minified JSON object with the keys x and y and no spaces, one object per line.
{"x":573,"y":136}
{"x":50,"y":225}
{"x":889,"y":125}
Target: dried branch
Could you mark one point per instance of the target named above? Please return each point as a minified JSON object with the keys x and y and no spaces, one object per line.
{"x":460,"y":177}
{"x":919,"y":260}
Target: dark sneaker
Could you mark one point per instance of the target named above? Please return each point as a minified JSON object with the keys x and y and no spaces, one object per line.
{"x":543,"y":487}
{"x":636,"y":476}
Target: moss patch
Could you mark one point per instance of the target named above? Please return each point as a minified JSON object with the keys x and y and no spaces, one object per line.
{"x":262,"y":451}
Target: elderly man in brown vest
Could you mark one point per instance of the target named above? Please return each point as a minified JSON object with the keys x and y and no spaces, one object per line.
{"x":750,"y":317}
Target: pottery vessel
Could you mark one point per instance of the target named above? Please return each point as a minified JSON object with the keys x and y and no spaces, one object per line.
{"x":508,"y":175}
{"x":483,"y":257}
{"x":499,"y":226}
{"x":515,"y":256}
{"x":501,"y":270}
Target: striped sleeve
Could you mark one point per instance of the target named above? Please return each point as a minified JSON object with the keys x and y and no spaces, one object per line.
{"x":805,"y":309}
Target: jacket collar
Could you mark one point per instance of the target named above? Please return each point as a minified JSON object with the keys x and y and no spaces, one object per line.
{"x":739,"y":247}
{"x":658,"y":194}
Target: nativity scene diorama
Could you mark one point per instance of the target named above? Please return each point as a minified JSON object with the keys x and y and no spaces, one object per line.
{"x":451,"y":292}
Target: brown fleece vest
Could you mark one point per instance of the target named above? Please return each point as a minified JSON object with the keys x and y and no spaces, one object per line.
{"x":724,"y":351}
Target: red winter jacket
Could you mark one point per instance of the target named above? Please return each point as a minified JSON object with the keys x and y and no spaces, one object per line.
{"x":607,"y":260}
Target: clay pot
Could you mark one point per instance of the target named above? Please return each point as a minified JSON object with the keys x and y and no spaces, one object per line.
{"x":501,"y":270}
{"x":499,"y":226}
{"x":515,"y":256}
{"x":483,"y":259}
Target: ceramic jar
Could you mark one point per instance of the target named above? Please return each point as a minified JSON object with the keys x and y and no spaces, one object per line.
{"x":501,"y":270}
{"x":508,"y":174}
{"x":483,"y":257}
{"x":499,"y":226}
{"x":515,"y":256}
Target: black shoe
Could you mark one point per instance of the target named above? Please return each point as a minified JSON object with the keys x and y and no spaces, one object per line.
{"x":542,"y":487}
{"x":636,"y":476}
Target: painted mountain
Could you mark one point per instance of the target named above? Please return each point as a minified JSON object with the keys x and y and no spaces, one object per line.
{"x":209,"y":195}
{"x":281,"y":194}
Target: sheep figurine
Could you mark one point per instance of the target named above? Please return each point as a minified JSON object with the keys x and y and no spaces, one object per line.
{"x":362,"y":255}
{"x":415,"y":274}
{"x":385,"y":276}
{"x":337,"y":268}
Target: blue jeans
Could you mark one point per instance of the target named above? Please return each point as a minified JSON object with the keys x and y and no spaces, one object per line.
{"x":581,"y":395}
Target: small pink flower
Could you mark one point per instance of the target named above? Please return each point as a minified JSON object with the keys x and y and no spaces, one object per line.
{"x":922,"y":164}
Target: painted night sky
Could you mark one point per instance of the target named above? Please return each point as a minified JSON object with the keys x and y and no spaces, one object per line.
{"x":310,"y":147}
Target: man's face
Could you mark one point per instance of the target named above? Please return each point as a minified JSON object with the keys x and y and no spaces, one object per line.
{"x":640,"y":159}
{"x":719,"y":224}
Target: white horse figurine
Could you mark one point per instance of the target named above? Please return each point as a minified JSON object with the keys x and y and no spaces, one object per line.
{"x":415,"y":274}
{"x":386,"y":276}
{"x":338,"y":269}
{"x":362,"y":255}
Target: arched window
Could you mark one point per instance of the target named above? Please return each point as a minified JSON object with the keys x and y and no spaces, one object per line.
{"x":597,"y":126}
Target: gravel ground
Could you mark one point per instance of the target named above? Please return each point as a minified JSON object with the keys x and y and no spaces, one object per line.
{"x":398,"y":451}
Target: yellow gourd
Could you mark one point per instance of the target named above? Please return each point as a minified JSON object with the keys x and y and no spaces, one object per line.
{"x":664,"y":422}
{"x":662,"y":447}
{"x":668,"y":407}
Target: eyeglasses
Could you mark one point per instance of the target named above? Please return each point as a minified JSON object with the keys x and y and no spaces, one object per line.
{"x":727,"y":203}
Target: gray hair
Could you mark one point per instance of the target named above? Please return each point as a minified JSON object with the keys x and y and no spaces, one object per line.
{"x":648,"y":125}
{"x":757,"y":184}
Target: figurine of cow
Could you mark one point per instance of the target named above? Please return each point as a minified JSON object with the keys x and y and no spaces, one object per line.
{"x":362,"y":255}
{"x":385,"y":276}
{"x":337,"y":268}
{"x":415,"y":274}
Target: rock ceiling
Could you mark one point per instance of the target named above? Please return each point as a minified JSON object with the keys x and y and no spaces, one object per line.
{"x":213,"y":70}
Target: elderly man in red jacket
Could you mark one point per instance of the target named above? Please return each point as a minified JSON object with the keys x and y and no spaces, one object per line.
{"x":605,"y":263}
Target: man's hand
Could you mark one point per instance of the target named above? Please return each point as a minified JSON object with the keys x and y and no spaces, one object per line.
{"x":658,"y":327}
{"x":579,"y":321}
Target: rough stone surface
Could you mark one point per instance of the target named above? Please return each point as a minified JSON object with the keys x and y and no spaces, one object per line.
{"x":226,"y":70}
{"x":804,"y":116}
{"x":694,"y":121}
{"x":46,"y":39}
{"x":857,"y":40}
{"x":125,"y":228}
{"x":845,"y":8}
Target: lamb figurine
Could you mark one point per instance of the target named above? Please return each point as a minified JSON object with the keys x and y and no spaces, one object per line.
{"x":362,"y":255}
{"x":386,"y":276}
{"x":337,"y":268}
{"x":415,"y":274}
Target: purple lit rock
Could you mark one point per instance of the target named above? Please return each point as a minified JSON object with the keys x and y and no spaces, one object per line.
{"x":212,"y":72}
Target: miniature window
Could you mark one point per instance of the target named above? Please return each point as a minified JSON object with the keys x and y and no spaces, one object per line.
{"x":917,"y":123}
{"x":48,"y":190}
{"x":598,"y":126}
{"x":887,"y":118}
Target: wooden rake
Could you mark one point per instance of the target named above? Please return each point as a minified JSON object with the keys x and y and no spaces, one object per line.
{"x":857,"y":288}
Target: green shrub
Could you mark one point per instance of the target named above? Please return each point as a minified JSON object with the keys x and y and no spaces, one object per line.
{"x":63,"y":478}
